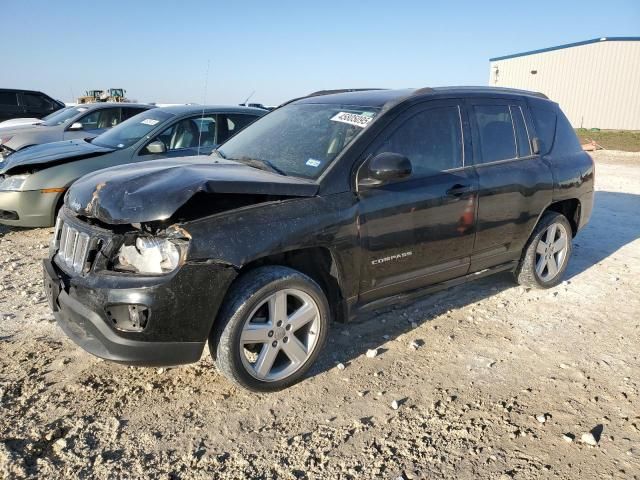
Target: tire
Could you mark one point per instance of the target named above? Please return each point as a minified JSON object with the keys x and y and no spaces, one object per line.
{"x":542,"y":266}
{"x":283,"y":352}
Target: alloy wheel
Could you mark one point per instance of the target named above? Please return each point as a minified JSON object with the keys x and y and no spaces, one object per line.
{"x":551,"y":252}
{"x":279,"y":335}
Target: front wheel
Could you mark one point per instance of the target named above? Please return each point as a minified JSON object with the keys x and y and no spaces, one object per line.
{"x":547,"y":253}
{"x":270,"y":329}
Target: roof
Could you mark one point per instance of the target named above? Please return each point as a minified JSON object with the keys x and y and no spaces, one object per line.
{"x":186,"y":109}
{"x":96,"y":105}
{"x":568,"y":45}
{"x":388,"y":98}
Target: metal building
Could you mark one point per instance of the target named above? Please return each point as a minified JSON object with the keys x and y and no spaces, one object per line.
{"x":596,"y":82}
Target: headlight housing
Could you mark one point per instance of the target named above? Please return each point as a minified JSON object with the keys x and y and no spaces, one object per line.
{"x":12,"y":183}
{"x":150,"y":255}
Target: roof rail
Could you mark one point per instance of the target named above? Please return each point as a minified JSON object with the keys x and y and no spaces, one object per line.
{"x":319,"y":93}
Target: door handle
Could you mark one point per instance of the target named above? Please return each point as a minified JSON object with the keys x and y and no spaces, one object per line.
{"x":458,"y":190}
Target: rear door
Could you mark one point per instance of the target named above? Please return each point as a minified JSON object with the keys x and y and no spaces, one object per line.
{"x":9,"y":107}
{"x":420,"y":230}
{"x":515,"y":184}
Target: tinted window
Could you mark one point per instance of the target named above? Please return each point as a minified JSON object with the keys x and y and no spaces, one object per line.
{"x":524,"y":147}
{"x":131,"y":112}
{"x":36,"y":101}
{"x":8,"y":98}
{"x":232,"y":123}
{"x":566,"y":140}
{"x":545,"y":122}
{"x":495,"y":128}
{"x":102,"y":118}
{"x":431,"y":140}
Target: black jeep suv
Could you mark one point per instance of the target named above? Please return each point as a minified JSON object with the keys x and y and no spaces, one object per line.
{"x":328,"y":205}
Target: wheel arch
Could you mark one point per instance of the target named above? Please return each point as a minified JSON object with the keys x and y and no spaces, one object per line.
{"x":570,"y":208}
{"x":318,"y":263}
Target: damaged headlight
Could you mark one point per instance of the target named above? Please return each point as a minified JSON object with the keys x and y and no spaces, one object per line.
{"x":149,"y":255}
{"x":12,"y":183}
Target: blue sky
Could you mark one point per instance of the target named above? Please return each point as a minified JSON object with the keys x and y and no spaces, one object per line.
{"x":158,"y":50}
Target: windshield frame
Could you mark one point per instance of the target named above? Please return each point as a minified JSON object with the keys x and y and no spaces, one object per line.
{"x":297,"y":166}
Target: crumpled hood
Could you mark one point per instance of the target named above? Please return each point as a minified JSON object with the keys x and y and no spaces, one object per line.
{"x":156,"y":189}
{"x":49,"y":154}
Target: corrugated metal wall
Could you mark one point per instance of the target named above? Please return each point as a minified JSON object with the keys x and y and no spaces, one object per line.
{"x":597,"y":85}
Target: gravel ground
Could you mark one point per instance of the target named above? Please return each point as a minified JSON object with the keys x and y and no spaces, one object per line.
{"x":489,"y":380}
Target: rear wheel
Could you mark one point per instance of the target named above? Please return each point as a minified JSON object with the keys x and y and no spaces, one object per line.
{"x":270,"y":329}
{"x":547,"y":253}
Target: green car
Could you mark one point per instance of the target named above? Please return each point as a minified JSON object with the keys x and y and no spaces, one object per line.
{"x":33,"y":181}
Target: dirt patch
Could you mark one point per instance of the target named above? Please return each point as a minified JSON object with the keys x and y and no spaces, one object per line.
{"x":491,"y":380}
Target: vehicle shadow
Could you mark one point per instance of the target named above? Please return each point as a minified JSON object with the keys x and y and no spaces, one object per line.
{"x":614,"y":223}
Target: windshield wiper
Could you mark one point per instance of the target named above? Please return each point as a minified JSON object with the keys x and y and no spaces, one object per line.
{"x":260,"y":164}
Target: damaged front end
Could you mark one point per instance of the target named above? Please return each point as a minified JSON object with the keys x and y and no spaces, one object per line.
{"x":122,"y":277}
{"x":125,"y":293}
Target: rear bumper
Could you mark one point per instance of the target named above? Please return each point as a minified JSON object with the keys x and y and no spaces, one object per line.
{"x":28,"y":209}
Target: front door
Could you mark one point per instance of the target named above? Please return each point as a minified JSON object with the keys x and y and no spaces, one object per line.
{"x":420,"y":230}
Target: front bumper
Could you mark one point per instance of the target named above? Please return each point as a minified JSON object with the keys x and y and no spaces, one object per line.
{"x":182,"y":309}
{"x":28,"y":209}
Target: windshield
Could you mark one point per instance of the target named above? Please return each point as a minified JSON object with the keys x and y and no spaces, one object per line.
{"x":57,"y":112}
{"x":132,"y":130}
{"x":63,"y":116}
{"x":299,"y":139}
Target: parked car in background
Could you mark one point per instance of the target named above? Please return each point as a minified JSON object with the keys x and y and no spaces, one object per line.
{"x":325,"y":207}
{"x":15,"y":103}
{"x":86,"y":121}
{"x":16,"y":122}
{"x":33,"y":180}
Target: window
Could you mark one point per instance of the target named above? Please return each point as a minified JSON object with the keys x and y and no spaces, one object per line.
{"x":522,"y":136}
{"x":566,"y":141}
{"x":101,"y":119}
{"x":189,"y":133}
{"x":495,"y":128}
{"x":300,"y":139}
{"x":131,"y":112}
{"x":34,"y":100}
{"x":8,"y":98}
{"x":130,"y":131}
{"x":431,"y":140}
{"x":545,"y":121}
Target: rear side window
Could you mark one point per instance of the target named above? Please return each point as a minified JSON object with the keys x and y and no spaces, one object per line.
{"x":566,"y":140}
{"x":545,"y":121}
{"x":496,"y":132}
{"x":431,"y":140}
{"x":8,"y":98}
{"x":37,"y":101}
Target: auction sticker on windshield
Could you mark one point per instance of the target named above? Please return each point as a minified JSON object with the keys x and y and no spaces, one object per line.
{"x":353,"y":119}
{"x":150,"y":121}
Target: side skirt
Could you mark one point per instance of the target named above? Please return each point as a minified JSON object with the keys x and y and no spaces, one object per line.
{"x":421,"y":292}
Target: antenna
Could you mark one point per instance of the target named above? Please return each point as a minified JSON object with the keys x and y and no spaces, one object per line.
{"x":204,"y":101}
{"x":247,"y":99}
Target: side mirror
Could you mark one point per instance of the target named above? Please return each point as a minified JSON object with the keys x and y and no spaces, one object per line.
{"x":388,"y":166}
{"x":76,"y":126}
{"x":536,"y":145}
{"x":156,"y":147}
